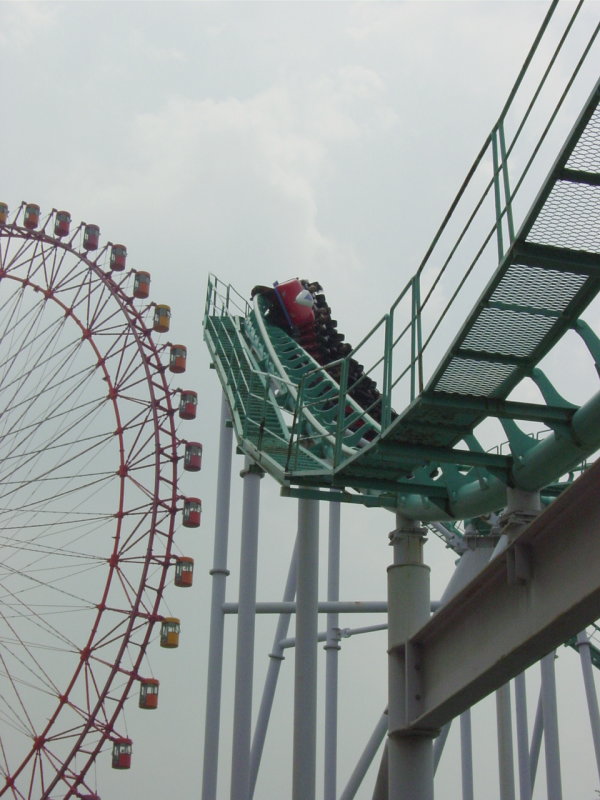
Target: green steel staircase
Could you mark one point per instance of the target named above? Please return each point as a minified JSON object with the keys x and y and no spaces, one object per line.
{"x":299,"y":423}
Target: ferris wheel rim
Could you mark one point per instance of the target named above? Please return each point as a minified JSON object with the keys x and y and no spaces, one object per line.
{"x":164,"y":422}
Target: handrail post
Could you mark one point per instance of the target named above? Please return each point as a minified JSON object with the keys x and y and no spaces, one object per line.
{"x":341,"y":415}
{"x":507,"y":197}
{"x":416,"y":350}
{"x":497,"y":198}
{"x":386,"y":399}
{"x":417,"y":296}
{"x":294,"y":442}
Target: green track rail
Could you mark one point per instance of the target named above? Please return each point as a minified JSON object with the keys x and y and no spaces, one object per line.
{"x":261,"y":430}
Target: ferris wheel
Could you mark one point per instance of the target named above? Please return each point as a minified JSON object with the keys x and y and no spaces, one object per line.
{"x":89,"y":456}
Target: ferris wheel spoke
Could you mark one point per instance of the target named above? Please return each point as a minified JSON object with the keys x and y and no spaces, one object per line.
{"x":87,"y":408}
{"x":18,"y":387}
{"x":138,"y":533}
{"x":57,"y":443}
{"x":127,"y":366}
{"x":60,"y":256}
{"x":69,"y":443}
{"x":10,"y":346}
{"x":64,"y":478}
{"x":42,"y":389}
{"x":70,"y":281}
{"x":67,"y":349}
{"x":17,"y":695}
{"x":51,"y":583}
{"x":102,"y":313}
{"x":47,"y":257}
{"x":72,"y":478}
{"x":39,"y":768}
{"x":23,"y":611}
{"x":23,"y":255}
{"x":10,"y":306}
{"x":44,"y":339}
{"x":41,"y":549}
{"x":137,"y":445}
{"x":121,"y":345}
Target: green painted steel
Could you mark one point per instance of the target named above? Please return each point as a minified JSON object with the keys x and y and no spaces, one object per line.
{"x":261,"y":431}
{"x":296,"y":418}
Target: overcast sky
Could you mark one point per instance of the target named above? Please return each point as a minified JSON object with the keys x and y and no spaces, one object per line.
{"x":260,"y":141}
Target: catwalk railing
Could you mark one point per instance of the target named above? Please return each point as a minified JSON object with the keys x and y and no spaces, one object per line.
{"x":528,"y":266}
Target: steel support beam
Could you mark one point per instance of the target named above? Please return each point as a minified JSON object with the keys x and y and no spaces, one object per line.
{"x":551,"y":740}
{"x":583,"y":645}
{"x":219,"y":574}
{"x":531,"y":614}
{"x":522,"y":737}
{"x":506,"y":770}
{"x":466,"y":756}
{"x":305,"y":677}
{"x":275,"y":658}
{"x":332,"y":647}
{"x":244,"y":662}
{"x":366,"y":758}
{"x":324,"y":607}
{"x":410,"y":751}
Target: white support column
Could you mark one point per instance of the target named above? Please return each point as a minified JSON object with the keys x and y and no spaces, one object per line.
{"x":522,"y":508}
{"x":551,"y":742}
{"x":522,"y":737}
{"x":583,"y":645}
{"x":366,"y":759}
{"x":219,"y":574}
{"x":380,"y":790}
{"x":506,"y":767}
{"x":410,"y":755}
{"x":536,"y":741}
{"x":305,"y":678}
{"x":332,"y":647}
{"x":244,"y":663}
{"x":439,"y":744}
{"x":466,"y":755}
{"x":275,"y":658}
{"x":478,"y":551}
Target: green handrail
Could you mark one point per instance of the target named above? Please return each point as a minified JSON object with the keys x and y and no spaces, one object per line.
{"x":498,"y":192}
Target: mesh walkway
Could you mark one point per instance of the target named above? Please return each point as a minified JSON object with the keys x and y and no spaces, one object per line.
{"x":300,"y":423}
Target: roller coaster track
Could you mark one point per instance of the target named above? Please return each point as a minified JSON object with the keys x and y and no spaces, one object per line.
{"x":297,"y":419}
{"x":452,"y":411}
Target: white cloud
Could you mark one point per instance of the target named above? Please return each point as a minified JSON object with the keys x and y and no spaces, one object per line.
{"x":253,"y":165}
{"x":23,"y":22}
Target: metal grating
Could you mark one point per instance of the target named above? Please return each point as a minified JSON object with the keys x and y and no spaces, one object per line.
{"x":536,"y":287}
{"x":473,"y":376}
{"x":570,"y":218}
{"x":508,"y":333}
{"x":586,"y":154}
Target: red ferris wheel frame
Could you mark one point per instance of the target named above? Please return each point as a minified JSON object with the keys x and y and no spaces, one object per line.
{"x":128,"y":363}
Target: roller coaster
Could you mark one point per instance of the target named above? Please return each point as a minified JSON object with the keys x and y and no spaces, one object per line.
{"x":475,"y":440}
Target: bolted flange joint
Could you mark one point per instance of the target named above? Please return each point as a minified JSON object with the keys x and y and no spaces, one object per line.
{"x":252,"y":469}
